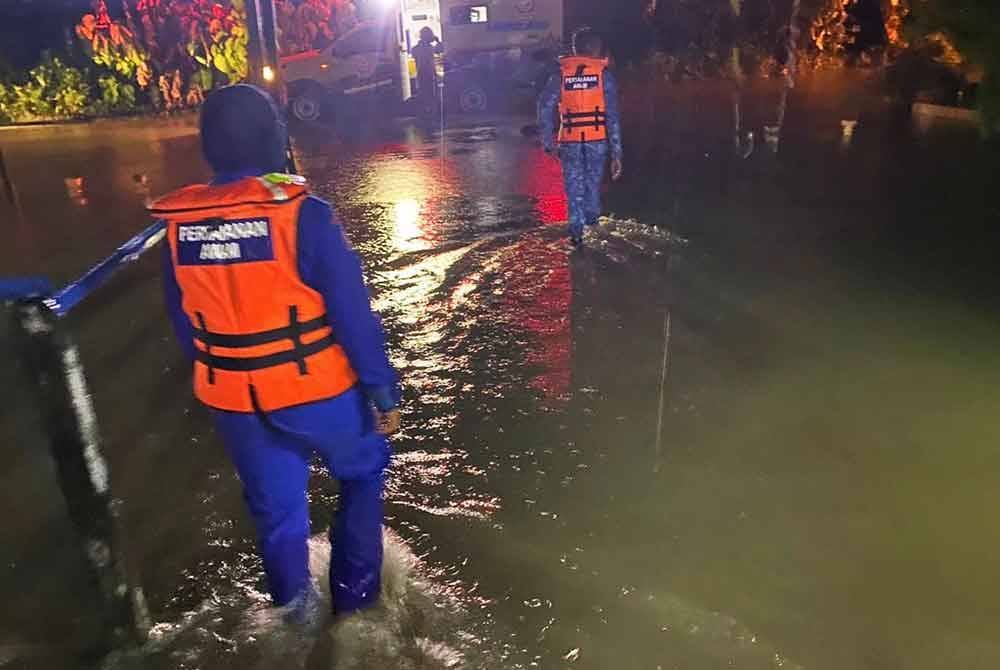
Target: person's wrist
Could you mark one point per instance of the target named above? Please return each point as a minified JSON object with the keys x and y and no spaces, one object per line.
{"x":384,"y":399}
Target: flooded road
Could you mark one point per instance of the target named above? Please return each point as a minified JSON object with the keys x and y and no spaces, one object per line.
{"x":821,"y":498}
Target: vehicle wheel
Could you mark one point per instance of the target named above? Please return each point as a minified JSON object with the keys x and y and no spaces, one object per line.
{"x":307,"y":104}
{"x":473,"y":99}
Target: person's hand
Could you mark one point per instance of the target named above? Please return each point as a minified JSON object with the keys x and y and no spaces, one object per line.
{"x":616,"y":169}
{"x":388,"y":423}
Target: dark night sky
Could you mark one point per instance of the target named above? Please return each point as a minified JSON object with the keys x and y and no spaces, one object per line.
{"x":620,"y":21}
{"x":29,"y":26}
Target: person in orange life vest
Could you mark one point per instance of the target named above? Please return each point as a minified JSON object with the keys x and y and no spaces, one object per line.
{"x":268,"y":300}
{"x":585,"y":92}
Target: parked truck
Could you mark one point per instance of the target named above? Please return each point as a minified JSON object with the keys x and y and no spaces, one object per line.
{"x":494,"y":50}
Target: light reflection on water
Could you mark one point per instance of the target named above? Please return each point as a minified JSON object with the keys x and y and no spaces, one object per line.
{"x":408,"y":230}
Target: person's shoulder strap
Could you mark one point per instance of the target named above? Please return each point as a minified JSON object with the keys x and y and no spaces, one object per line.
{"x":588,"y":61}
{"x":267,"y":189}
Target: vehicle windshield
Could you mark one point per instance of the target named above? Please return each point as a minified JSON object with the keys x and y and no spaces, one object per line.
{"x":365,"y":38}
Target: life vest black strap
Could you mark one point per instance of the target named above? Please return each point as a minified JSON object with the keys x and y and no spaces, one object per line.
{"x":296,"y":331}
{"x":293,"y":331}
{"x":583,"y":124}
{"x":256,"y":339}
{"x":297,"y":355}
{"x":597,"y":118}
{"x":208,"y":347}
{"x":600,"y":113}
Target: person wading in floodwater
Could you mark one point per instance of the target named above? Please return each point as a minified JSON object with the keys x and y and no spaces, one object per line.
{"x":267,"y":298}
{"x":424,"y":53}
{"x":586,"y":93}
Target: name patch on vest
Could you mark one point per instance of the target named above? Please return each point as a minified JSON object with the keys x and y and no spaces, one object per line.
{"x":222,"y":242}
{"x":583,"y":82}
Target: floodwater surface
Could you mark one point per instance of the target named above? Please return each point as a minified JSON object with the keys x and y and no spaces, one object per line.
{"x":821,"y":496}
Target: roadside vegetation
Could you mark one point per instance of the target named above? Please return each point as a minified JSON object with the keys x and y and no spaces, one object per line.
{"x":166,"y":55}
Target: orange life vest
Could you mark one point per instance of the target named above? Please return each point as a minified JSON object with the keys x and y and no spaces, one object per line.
{"x":583,"y":109}
{"x":261,"y":334}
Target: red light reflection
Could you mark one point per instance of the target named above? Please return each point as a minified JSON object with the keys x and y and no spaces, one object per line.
{"x":539,"y":301}
{"x":543,"y":180}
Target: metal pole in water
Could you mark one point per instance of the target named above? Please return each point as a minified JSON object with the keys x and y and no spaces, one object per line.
{"x":256,"y":49}
{"x":75,"y":445}
{"x":664,"y":377}
{"x":8,"y":185}
{"x":264,"y":61}
{"x":773,"y":132}
{"x":665,"y":365}
{"x":405,"y":87}
{"x":444,"y":145}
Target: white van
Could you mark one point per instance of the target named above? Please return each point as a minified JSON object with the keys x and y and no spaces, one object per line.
{"x":491,"y":48}
{"x":361,"y":63}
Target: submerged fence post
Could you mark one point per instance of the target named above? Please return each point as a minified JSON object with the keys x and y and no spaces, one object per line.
{"x":71,"y":426}
{"x":5,"y":181}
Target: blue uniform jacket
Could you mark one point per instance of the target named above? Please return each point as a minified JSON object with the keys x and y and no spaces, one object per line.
{"x":329,"y":265}
{"x":548,"y":103}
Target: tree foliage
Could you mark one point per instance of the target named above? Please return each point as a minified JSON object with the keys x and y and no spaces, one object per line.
{"x":312,"y":24}
{"x":172,"y":49}
{"x":973,"y":26}
{"x":827,"y":32}
{"x":116,"y":96}
{"x":52,"y":90}
{"x":163,"y":54}
{"x":177,"y":50}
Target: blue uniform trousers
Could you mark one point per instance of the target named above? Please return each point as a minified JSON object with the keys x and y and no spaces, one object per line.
{"x":272,"y":452}
{"x":583,"y":165}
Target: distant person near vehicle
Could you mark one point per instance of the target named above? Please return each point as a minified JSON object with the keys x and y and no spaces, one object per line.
{"x":586,"y":94}
{"x":424,"y":53}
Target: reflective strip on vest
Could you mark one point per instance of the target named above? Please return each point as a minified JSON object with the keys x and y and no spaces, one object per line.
{"x":261,"y":335}
{"x":277,"y":192}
